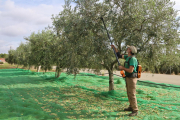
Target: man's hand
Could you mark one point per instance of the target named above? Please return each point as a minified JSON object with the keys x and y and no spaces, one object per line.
{"x":112,"y":46}
{"x":121,"y":67}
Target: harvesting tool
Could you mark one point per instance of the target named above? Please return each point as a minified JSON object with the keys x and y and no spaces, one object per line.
{"x":121,"y":72}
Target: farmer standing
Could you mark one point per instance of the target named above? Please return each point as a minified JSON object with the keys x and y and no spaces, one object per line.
{"x":130,"y":67}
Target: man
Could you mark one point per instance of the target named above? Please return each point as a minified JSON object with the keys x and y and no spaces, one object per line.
{"x":130,"y":67}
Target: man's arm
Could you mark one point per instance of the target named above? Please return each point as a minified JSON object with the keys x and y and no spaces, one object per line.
{"x":129,"y":70}
{"x":118,"y":54}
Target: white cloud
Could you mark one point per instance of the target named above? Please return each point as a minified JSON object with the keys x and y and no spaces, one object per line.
{"x":34,"y":16}
{"x":40,"y":14}
{"x":5,"y":45}
{"x":14,"y":30}
{"x":16,"y":19}
{"x":177,"y":5}
{"x":20,"y":20}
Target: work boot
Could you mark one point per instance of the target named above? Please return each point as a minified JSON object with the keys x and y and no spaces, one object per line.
{"x":128,"y":109}
{"x":134,"y":113}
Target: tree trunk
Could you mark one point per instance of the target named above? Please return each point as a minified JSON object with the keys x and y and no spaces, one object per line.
{"x":111,"y":80}
{"x":17,"y":66}
{"x":38,"y":68}
{"x":58,"y":72}
{"x":170,"y":69}
{"x":176,"y":70}
{"x":156,"y":69}
{"x":29,"y":67}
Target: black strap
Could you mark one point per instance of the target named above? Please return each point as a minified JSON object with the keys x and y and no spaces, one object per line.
{"x":132,"y":75}
{"x":128,"y":60}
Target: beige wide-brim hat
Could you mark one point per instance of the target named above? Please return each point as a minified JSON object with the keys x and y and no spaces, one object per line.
{"x":132,"y":48}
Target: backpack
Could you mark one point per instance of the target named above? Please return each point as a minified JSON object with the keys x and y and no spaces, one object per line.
{"x":138,"y":69}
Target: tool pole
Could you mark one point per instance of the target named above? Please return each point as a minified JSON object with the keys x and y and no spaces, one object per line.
{"x":111,"y":41}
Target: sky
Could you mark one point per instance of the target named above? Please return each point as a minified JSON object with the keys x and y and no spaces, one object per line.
{"x":19,"y":18}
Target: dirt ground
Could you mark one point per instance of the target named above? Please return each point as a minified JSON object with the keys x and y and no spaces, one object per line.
{"x":161,"y":78}
{"x":158,"y":78}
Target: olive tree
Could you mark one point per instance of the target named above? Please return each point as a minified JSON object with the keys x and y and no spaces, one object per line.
{"x":41,"y":53}
{"x":149,"y":25}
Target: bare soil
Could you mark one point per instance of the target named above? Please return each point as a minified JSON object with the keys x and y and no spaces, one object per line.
{"x":158,"y":78}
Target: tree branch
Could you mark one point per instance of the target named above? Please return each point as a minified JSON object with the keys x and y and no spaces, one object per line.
{"x":139,"y":30}
{"x":112,"y":64}
{"x":105,"y":66}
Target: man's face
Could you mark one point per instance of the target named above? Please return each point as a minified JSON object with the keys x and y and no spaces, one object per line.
{"x":128,"y":50}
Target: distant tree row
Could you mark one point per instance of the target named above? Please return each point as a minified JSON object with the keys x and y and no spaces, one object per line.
{"x":77,"y":39}
{"x":3,"y":55}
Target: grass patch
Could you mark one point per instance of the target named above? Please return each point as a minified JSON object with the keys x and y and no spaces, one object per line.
{"x":7,"y":66}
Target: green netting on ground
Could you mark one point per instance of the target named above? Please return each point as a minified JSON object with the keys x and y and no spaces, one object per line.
{"x":29,"y":95}
{"x":159,"y":85}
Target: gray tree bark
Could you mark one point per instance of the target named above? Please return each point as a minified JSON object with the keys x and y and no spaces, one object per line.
{"x":111,"y":80}
{"x":38,"y":68}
